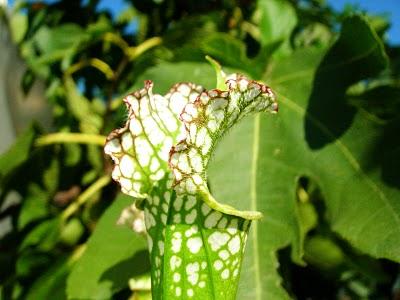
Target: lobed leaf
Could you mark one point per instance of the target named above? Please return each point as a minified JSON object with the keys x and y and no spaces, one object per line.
{"x":302,"y":141}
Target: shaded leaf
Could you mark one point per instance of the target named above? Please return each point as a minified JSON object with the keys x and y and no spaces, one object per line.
{"x":366,"y":58}
{"x":28,"y":79}
{"x":44,"y":235}
{"x":19,"y":152}
{"x":52,"y":283}
{"x":382,"y":101}
{"x":34,"y":206}
{"x":323,"y":253}
{"x":30,"y":262}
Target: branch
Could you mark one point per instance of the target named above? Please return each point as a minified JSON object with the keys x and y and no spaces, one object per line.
{"x":67,"y":137}
{"x":95,"y":63}
{"x":86,"y":195}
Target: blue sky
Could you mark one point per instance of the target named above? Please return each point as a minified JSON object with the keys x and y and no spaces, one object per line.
{"x":390,"y":7}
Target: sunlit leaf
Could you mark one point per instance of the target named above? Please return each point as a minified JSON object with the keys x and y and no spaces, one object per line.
{"x":362,"y":207}
{"x":18,"y":26}
{"x":114,"y":254}
{"x":277,"y":19}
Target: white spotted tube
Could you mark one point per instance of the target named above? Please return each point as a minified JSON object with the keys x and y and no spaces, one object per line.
{"x":196,"y":244}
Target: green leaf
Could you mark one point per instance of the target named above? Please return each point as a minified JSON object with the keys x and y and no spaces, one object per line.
{"x":361,"y":207}
{"x":30,"y":262}
{"x":81,"y":108}
{"x":232,"y":52}
{"x":315,"y":34}
{"x":167,"y":74}
{"x":227,"y":50}
{"x":114,"y":254}
{"x":244,"y":185}
{"x":58,"y":42}
{"x":221,"y":76}
{"x":277,"y":20}
{"x":382,"y":101}
{"x":28,"y":79}
{"x":34,"y":206}
{"x":366,"y":58}
{"x":19,"y":152}
{"x":44,"y":235}
{"x":323,"y":253}
{"x":18,"y":26}
{"x":52,"y":283}
{"x":51,"y":175}
{"x":72,"y":232}
{"x":73,"y":154}
{"x":100,"y":27}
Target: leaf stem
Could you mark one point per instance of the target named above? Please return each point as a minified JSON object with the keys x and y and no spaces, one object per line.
{"x":221,"y":77}
{"x":86,"y":195}
{"x":95,"y":63}
{"x":135,"y":52}
{"x":253,"y":201}
{"x":227,"y":209}
{"x":67,"y":137}
{"x":77,"y":253}
{"x":116,"y":40}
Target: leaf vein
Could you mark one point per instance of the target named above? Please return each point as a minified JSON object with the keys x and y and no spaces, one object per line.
{"x":253,"y":199}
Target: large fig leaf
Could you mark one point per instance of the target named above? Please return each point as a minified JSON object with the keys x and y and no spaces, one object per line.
{"x":316,"y":134}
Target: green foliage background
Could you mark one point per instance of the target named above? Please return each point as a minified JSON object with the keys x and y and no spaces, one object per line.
{"x":324,"y":172}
